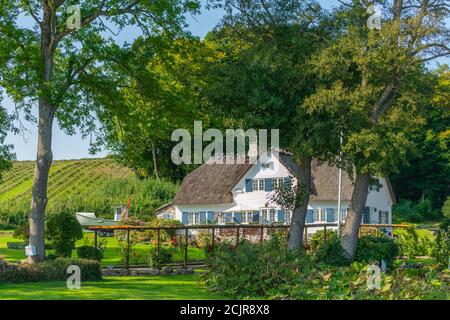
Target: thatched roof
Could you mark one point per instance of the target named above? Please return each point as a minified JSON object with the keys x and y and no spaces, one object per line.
{"x":325,"y":179}
{"x":210,"y":184}
{"x":213,"y":183}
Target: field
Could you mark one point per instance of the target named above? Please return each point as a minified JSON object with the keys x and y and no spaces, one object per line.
{"x":112,"y":256}
{"x":90,"y":185}
{"x":180,"y":287}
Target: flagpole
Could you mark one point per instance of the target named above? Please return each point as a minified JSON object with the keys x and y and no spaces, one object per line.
{"x":339,"y":193}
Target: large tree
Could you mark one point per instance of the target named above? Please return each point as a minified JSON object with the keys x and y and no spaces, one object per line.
{"x":45,"y":58}
{"x":374,"y":76}
{"x":153,"y":101}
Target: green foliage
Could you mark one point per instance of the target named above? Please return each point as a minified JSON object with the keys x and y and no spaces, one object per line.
{"x":318,"y":238}
{"x":371,"y":249}
{"x":441,"y":250}
{"x":408,"y":211}
{"x":252,"y":269}
{"x":87,"y":185}
{"x":52,"y":270}
{"x":428,"y":173}
{"x":255,"y":271}
{"x":446,"y":208}
{"x":411,"y":244}
{"x":89,"y":252}
{"x":331,"y":253}
{"x":63,"y":230}
{"x":159,"y":259}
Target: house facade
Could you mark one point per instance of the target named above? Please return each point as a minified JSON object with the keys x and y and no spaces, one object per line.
{"x":240,"y":194}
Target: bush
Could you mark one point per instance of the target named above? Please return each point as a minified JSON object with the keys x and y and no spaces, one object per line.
{"x":158,"y":260}
{"x":270,"y":271}
{"x":249,"y":269}
{"x":331,"y":253}
{"x":406,"y":210}
{"x":89,"y":252}
{"x":442,"y":245}
{"x":374,"y":249}
{"x":52,"y":270}
{"x":63,"y":230}
{"x":411,"y":244}
{"x":318,"y":238}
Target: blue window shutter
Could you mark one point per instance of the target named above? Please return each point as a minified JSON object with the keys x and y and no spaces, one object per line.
{"x":202,"y":217}
{"x":281,"y":216}
{"x":228,"y":217}
{"x":330,"y":215}
{"x":248,"y":185}
{"x":210,"y":217}
{"x":256,"y":216}
{"x":287,"y":182}
{"x":237,"y":217}
{"x":366,"y":218}
{"x":268,"y":184}
{"x":185,"y":218}
{"x":309,"y":216}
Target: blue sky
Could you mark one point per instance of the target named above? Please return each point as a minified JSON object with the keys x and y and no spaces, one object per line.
{"x":74,"y":147}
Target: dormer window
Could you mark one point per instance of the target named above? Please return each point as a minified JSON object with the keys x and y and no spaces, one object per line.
{"x":277,"y":183}
{"x":258,"y":184}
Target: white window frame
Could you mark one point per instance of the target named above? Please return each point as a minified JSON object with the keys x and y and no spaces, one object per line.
{"x":288,"y":217}
{"x":272,"y":215}
{"x":258,"y":184}
{"x":320,"y":215}
{"x":277,"y":183}
{"x":264,"y":212}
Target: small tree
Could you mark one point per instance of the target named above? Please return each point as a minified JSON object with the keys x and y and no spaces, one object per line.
{"x":63,"y":230}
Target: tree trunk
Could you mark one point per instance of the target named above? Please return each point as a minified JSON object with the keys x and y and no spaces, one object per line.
{"x":39,"y":193}
{"x":155,"y":164}
{"x":301,"y":204}
{"x":44,"y":156}
{"x":355,"y":214}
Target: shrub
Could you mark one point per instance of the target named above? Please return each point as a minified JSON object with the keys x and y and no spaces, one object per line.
{"x":446,"y":208}
{"x":249,"y":269}
{"x":63,"y":230}
{"x":270,"y":271}
{"x":411,"y":244}
{"x":406,"y":210}
{"x":318,"y":238}
{"x":158,"y":260}
{"x":374,"y":249}
{"x":51,"y":270}
{"x":89,"y":252}
{"x":331,"y":253}
{"x":442,"y":245}
{"x":22,"y":231}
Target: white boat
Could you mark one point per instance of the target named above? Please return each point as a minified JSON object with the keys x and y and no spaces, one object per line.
{"x":88,"y":219}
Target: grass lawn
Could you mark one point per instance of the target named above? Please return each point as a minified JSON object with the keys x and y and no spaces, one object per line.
{"x":112,"y":254}
{"x":177,"y":287}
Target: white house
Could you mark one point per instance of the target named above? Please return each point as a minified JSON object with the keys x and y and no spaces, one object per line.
{"x":239,"y":193}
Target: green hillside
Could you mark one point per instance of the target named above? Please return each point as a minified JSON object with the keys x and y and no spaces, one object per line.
{"x":82,"y":185}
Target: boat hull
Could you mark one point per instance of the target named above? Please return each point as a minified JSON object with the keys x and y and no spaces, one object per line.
{"x":89,"y":220}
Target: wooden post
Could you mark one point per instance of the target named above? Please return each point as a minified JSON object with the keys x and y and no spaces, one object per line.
{"x":186,"y":235}
{"x":325,"y":233}
{"x":262,"y":235}
{"x":237,"y":236}
{"x":128,"y":250}
{"x":158,"y":241}
{"x":306,"y":236}
{"x":95,"y":238}
{"x":212,"y":238}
